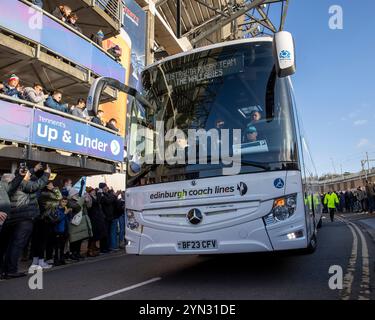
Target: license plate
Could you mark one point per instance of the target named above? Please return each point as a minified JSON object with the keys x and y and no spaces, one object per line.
{"x":197,"y":245}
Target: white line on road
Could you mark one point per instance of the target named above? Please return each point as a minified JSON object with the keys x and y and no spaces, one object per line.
{"x":365,"y":285}
{"x":365,"y":281}
{"x":110,"y":294}
{"x":349,"y":276}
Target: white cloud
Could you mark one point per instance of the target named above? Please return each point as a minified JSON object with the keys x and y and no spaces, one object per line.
{"x":363,"y":143}
{"x":360,"y":122}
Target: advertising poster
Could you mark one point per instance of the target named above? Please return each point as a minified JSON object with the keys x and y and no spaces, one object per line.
{"x":15,"y":122}
{"x":59,"y":133}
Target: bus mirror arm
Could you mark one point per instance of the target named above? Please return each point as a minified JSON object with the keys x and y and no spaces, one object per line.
{"x":101,"y":83}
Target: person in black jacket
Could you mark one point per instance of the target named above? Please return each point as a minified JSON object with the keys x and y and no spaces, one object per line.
{"x":107,"y":199}
{"x":7,"y":187}
{"x":62,"y":13}
{"x":112,"y":124}
{"x":97,"y":218}
{"x":43,"y":231}
{"x":19,"y":223}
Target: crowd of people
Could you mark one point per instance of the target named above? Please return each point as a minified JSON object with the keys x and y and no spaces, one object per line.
{"x":65,"y":14}
{"x":49,"y":224}
{"x":36,"y":94}
{"x":357,"y":200}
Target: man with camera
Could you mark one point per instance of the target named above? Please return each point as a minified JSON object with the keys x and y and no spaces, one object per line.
{"x":18,"y":226}
{"x":7,"y":187}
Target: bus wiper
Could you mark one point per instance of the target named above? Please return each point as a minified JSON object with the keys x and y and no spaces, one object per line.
{"x":255,"y":164}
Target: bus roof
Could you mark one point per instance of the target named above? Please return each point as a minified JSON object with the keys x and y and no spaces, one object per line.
{"x":210,"y":47}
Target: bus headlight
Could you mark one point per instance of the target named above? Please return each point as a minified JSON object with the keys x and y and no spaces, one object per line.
{"x":131,"y":221}
{"x":283,"y":208}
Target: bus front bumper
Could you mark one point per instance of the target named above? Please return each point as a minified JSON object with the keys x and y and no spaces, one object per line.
{"x":247,"y":237}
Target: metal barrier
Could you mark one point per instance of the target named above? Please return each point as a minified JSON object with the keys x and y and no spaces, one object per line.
{"x":49,"y":110}
{"x":111,"y":7}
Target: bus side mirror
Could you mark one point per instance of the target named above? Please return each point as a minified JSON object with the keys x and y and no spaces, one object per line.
{"x":284,"y":54}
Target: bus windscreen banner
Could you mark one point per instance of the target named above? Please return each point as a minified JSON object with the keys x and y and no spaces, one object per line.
{"x":59,"y":133}
{"x":15,"y":122}
{"x":206,"y":70}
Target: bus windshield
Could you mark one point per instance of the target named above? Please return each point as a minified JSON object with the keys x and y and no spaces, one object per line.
{"x":229,"y":87}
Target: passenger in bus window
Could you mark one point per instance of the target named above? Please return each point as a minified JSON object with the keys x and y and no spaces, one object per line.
{"x":255,"y":117}
{"x":251,"y":134}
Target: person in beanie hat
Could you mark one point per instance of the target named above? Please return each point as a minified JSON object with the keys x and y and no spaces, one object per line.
{"x":12,"y":88}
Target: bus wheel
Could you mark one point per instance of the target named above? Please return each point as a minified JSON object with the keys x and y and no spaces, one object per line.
{"x":312,"y":245}
{"x":320,"y":223}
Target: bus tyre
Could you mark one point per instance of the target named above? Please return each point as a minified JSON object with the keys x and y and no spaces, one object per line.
{"x":312,"y":245}
{"x":320,"y":223}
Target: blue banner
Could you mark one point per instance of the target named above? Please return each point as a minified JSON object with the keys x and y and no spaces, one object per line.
{"x":134,"y":25}
{"x":56,"y":132}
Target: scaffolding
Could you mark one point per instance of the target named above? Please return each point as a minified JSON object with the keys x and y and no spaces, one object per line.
{"x":209,"y":21}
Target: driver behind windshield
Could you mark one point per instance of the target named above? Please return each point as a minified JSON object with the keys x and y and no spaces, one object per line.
{"x":255,"y":117}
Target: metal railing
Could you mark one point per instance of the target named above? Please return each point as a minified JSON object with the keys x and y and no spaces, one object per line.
{"x":31,"y":105}
{"x":29,"y":3}
{"x":111,"y":7}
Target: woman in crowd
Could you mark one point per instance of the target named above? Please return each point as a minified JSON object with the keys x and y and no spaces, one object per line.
{"x":97,"y":220}
{"x":43,"y":228}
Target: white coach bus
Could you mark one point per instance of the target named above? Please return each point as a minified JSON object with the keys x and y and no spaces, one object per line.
{"x":243,"y":88}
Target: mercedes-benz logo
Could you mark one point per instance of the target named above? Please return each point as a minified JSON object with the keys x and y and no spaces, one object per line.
{"x":242,"y":188}
{"x":195,"y":216}
{"x":194,"y":183}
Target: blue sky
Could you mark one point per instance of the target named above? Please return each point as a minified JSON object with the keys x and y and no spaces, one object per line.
{"x":335,"y":80}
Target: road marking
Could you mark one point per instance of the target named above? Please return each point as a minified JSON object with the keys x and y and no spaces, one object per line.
{"x":349,"y":276}
{"x":365,"y":282}
{"x":110,"y":294}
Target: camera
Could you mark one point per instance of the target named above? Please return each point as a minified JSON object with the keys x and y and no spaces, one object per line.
{"x":23,"y":167}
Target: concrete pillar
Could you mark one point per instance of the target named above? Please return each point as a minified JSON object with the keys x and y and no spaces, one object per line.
{"x":150,"y":12}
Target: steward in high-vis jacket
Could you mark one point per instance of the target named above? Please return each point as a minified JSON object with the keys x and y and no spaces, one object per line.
{"x":331,"y":200}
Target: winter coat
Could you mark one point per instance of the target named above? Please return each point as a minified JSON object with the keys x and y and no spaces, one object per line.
{"x":112,"y":127}
{"x":370,"y":190}
{"x":53,"y":104}
{"x":24,"y":202}
{"x":120,"y":208}
{"x":97,"y":218}
{"x":58,"y":14}
{"x":7,"y":189}
{"x":61,"y":226}
{"x":84,"y":229}
{"x":77,"y":112}
{"x":96,"y":120}
{"x":108,"y":202}
{"x":49,"y":200}
{"x":12,"y":92}
{"x":31,"y":95}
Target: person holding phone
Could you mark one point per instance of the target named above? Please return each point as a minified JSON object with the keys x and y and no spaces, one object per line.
{"x":7,"y":186}
{"x":19,"y":224}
